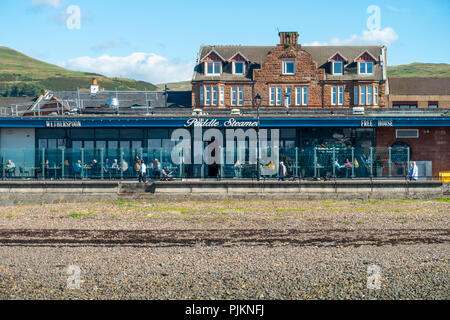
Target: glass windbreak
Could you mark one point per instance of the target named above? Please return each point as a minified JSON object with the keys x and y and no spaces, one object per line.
{"x":116,"y":160}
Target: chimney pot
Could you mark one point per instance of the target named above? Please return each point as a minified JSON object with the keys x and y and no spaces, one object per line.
{"x":290,"y":38}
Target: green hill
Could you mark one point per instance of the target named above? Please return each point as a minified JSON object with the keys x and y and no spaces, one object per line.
{"x":420,"y":70}
{"x":21,"y":75}
{"x":176,"y":86}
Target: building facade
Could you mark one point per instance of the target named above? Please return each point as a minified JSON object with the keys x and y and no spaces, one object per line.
{"x":324,"y":106}
{"x":290,"y":75}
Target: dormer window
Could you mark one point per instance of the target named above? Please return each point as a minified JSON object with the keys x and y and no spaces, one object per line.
{"x":365,"y":67}
{"x":338,"y":67}
{"x":238,"y":67}
{"x":213,"y":68}
{"x":288,"y":67}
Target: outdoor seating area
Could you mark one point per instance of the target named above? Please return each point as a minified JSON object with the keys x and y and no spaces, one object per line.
{"x":329,"y":162}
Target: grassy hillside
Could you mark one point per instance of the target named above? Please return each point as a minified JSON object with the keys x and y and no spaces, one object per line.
{"x":176,"y":86}
{"x":420,"y":70}
{"x":22,"y":75}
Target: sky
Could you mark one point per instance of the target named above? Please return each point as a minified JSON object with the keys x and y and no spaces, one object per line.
{"x":158,"y":40}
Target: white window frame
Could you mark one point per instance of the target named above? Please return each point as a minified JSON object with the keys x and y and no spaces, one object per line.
{"x":298,"y":96}
{"x":398,"y":134}
{"x":272,"y":96}
{"x":334,"y":94}
{"x":215,"y":95}
{"x":243,"y":67}
{"x":240,"y":91}
{"x":285,"y":67}
{"x":202,"y":97}
{"x":365,"y":68}
{"x":369,"y":101}
{"x":375,"y":95}
{"x":305,"y":96}
{"x":221,"y":95}
{"x":342,"y":68}
{"x":234,"y":96}
{"x":207,"y":96}
{"x":340,"y":92}
{"x":278,"y":96}
{"x":215,"y":64}
{"x":361,"y":89}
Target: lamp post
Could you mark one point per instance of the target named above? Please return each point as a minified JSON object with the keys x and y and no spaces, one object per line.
{"x":287,"y":97}
{"x":257,"y":102}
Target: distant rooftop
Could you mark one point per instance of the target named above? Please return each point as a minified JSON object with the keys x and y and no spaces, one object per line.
{"x":419,"y":86}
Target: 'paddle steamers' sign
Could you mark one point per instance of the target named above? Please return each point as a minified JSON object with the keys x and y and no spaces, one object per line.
{"x":214,"y":123}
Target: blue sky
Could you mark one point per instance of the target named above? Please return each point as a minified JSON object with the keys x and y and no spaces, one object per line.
{"x":158,"y":40}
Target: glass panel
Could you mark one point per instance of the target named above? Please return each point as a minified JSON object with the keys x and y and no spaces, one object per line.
{"x":106,"y":133}
{"x":125,"y":144}
{"x":241,"y":95}
{"x":363,"y":95}
{"x":370,"y":67}
{"x":210,"y":67}
{"x":82,"y":133}
{"x":208,"y":96}
{"x":305,"y":96}
{"x":278,"y":96}
{"x":337,"y":67}
{"x":100,"y":144}
{"x":362,"y":67}
{"x":369,"y":95}
{"x":42,"y":143}
{"x":77,"y":145}
{"x":239,"y":67}
{"x":214,"y":99}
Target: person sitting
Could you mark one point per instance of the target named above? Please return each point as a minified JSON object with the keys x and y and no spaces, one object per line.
{"x":95,"y":169}
{"x":347,"y":165}
{"x":106,"y":168}
{"x":337,"y":167}
{"x":115,"y":167}
{"x":10,"y":169}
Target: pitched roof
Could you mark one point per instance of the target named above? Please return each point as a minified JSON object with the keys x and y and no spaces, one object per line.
{"x":257,"y":54}
{"x":7,"y":102}
{"x":419,"y":86}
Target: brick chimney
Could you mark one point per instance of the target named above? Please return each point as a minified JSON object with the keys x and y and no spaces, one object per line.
{"x":290,"y":38}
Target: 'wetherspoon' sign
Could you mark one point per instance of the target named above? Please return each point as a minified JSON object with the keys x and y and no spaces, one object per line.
{"x":63,"y":124}
{"x":214,"y":123}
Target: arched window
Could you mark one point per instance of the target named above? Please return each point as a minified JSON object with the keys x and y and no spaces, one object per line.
{"x":399,"y":152}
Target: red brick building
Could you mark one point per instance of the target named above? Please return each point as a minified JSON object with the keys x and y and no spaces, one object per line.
{"x":290,"y":74}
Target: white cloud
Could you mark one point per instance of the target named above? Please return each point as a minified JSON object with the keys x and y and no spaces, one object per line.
{"x":140,"y":66}
{"x":50,"y":3}
{"x":386,"y":36}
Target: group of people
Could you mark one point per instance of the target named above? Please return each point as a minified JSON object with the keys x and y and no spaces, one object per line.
{"x":154,"y":167}
{"x":282,"y":170}
{"x":347,"y":166}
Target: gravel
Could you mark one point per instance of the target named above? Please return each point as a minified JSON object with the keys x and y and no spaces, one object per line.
{"x":273,"y":250}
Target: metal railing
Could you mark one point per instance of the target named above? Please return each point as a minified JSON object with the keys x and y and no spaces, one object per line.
{"x":301,"y":163}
